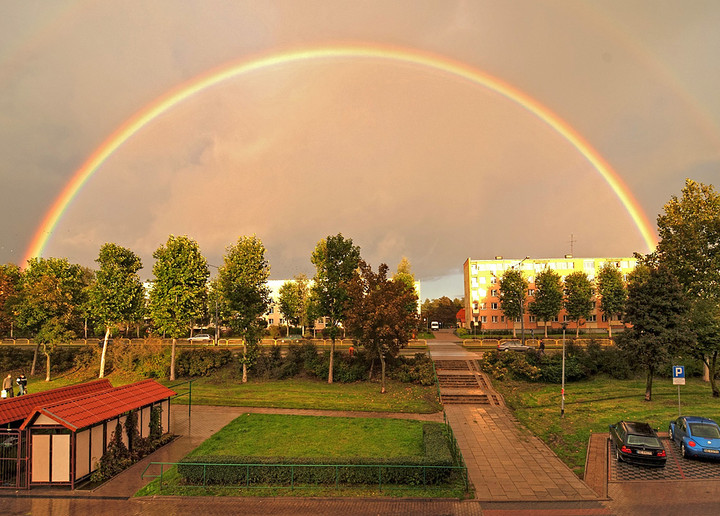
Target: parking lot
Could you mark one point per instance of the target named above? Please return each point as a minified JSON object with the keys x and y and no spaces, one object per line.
{"x":676,"y":468}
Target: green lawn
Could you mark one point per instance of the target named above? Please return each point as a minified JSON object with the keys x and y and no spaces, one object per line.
{"x":592,"y":405}
{"x":315,"y":394}
{"x":274,"y":435}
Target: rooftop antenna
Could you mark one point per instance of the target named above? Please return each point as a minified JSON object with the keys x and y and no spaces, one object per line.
{"x":572,"y":245}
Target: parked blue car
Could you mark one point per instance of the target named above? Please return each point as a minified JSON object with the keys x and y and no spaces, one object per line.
{"x":697,"y":436}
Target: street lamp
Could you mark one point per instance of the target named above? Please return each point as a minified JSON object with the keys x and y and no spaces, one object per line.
{"x":522,"y":315}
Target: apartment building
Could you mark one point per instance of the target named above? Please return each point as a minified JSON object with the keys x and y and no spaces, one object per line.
{"x":482,"y":286}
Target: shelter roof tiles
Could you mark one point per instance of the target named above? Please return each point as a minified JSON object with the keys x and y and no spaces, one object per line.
{"x":20,"y":407}
{"x":94,"y":408}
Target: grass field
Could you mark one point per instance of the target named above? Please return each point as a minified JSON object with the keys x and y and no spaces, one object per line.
{"x":273,"y":435}
{"x":291,"y":393}
{"x":592,"y":405}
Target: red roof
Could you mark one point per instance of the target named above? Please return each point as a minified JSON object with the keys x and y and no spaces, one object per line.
{"x":88,"y":410}
{"x":20,"y":407}
{"x":460,"y":316}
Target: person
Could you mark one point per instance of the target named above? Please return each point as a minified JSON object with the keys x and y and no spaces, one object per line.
{"x":351,"y":350}
{"x":542,"y":347}
{"x":22,"y":384}
{"x":8,"y":386}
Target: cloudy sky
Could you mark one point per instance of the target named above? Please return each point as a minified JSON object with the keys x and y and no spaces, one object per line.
{"x":406,"y":159}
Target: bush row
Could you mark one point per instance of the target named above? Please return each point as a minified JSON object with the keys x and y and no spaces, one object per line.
{"x":580,"y":363}
{"x":435,"y":467}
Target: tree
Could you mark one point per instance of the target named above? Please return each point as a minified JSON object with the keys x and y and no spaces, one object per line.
{"x":513,"y":292}
{"x":689,"y":246}
{"x":335,"y":259}
{"x":117,"y":294}
{"x":657,"y":310}
{"x":10,"y":277}
{"x":242,"y":285}
{"x":579,"y":293}
{"x":380,"y":312}
{"x":52,"y":293}
{"x":548,"y":299}
{"x":404,"y":273}
{"x":443,"y":310}
{"x":613,"y":293}
{"x":179,"y":293}
{"x":293,"y":300}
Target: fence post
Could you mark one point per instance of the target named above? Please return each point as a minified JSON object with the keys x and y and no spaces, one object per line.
{"x":292,"y":477}
{"x":204,"y":475}
{"x":336,"y":476}
{"x":380,"y":477}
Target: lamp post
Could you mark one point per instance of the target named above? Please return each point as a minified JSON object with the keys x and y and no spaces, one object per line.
{"x":522,"y":314}
{"x":562,"y":388}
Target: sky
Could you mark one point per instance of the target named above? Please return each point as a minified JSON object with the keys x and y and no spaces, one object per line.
{"x":401,"y":154}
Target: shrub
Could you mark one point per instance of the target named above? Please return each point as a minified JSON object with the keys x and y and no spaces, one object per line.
{"x":418,"y":369}
{"x":201,"y":362}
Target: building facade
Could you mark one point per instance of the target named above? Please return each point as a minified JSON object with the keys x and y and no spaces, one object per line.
{"x":482,"y":289}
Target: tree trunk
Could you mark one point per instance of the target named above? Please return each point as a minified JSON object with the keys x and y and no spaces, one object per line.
{"x":102,"y":356}
{"x":382,"y":375}
{"x":546,"y":325}
{"x":244,"y":376}
{"x":706,"y":368}
{"x":47,"y":362}
{"x":713,"y":382}
{"x":577,"y":330}
{"x":172,"y":360}
{"x":514,"y":331}
{"x":332,"y":358}
{"x":609,"y":328}
{"x":37,"y":350}
{"x":648,"y":385}
{"x":372,"y":369}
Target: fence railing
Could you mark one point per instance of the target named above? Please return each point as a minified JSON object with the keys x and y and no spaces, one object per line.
{"x":292,"y":483}
{"x":549,"y":343}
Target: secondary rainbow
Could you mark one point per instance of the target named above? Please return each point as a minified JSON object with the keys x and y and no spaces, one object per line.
{"x":399,"y":55}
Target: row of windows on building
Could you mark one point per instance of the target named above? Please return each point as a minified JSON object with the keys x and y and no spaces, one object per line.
{"x":532,"y":318}
{"x":588,"y":265}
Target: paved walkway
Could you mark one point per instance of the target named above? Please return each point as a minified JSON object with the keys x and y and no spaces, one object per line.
{"x":505,"y":462}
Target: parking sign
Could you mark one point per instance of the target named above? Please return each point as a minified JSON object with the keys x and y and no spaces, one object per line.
{"x":678,"y":375}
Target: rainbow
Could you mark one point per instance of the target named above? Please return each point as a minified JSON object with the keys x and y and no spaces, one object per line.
{"x":360,"y":51}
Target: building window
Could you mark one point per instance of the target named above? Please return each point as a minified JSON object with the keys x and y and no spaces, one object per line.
{"x":604,"y":318}
{"x":474,"y":282}
{"x":532,"y":318}
{"x":483,"y":318}
{"x":493,"y":279}
{"x":271,"y":321}
{"x":555,"y":319}
{"x":483,"y":306}
{"x":494,"y":306}
{"x":531,"y":292}
{"x":566,"y":318}
{"x":593,"y":318}
{"x":493,"y":293}
{"x":589,"y":264}
{"x":502,"y":318}
{"x":494,"y":318}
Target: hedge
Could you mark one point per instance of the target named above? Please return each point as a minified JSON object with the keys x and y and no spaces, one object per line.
{"x":434,"y":467}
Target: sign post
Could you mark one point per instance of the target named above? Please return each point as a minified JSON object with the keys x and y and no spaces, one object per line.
{"x":678,"y":379}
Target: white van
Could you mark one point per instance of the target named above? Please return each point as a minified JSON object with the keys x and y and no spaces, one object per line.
{"x":434,"y":325}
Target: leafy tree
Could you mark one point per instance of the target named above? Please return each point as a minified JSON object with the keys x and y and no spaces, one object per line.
{"x":242,"y":284}
{"x":613,"y":293}
{"x":548,"y":299}
{"x":293,"y":300}
{"x":404,"y":273}
{"x":52,"y":293}
{"x":579,"y":293}
{"x":335,"y":259}
{"x":179,"y":293}
{"x":10,"y":277}
{"x":689,"y":246}
{"x":657,"y":310}
{"x":380,"y":312}
{"x":513,"y":292}
{"x":443,"y":310}
{"x":117,"y":294}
